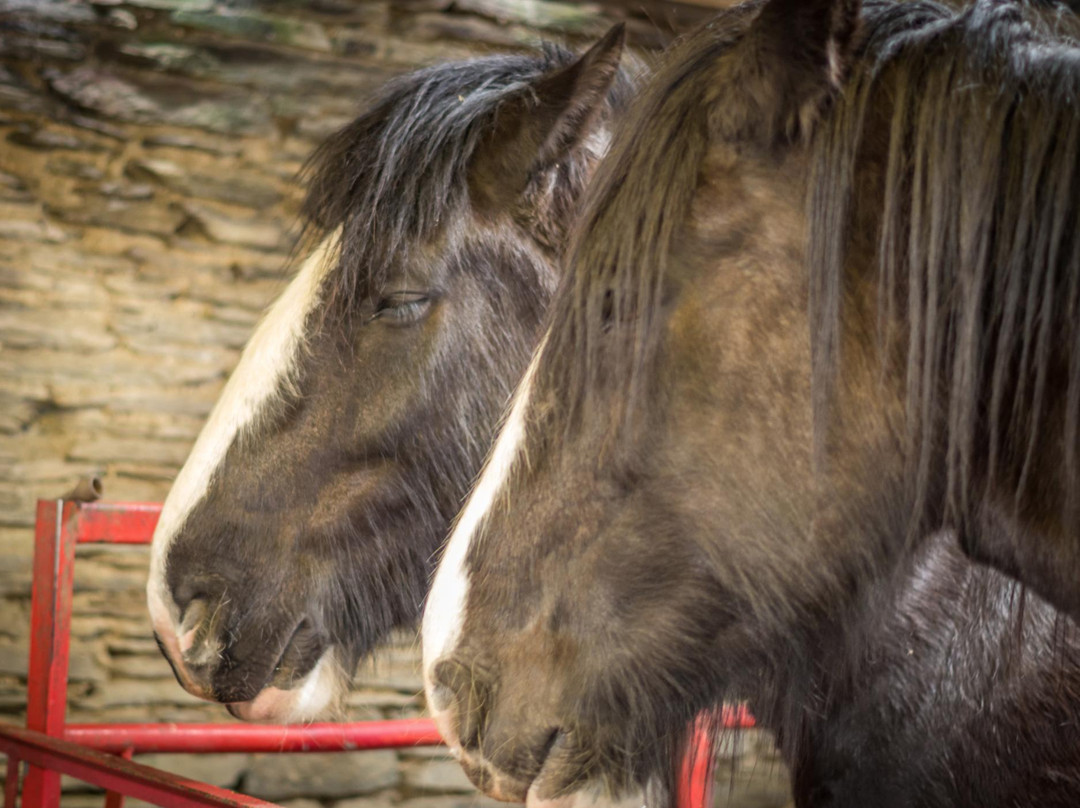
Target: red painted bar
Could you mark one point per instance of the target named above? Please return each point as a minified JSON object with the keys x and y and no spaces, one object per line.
{"x":116,"y":522}
{"x":694,"y":786}
{"x":326,"y":737}
{"x":114,"y":799}
{"x":736,"y":716}
{"x":11,"y":782}
{"x":113,"y":773}
{"x":50,"y":635}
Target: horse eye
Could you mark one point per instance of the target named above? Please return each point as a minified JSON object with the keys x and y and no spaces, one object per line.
{"x":615,"y":313}
{"x":607,"y":308}
{"x":402,"y":308}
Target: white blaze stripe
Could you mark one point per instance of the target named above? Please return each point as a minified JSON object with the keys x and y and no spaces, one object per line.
{"x":445,"y":610}
{"x":264,"y":372}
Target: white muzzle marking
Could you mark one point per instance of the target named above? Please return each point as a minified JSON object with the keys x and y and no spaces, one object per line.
{"x":310,"y":699}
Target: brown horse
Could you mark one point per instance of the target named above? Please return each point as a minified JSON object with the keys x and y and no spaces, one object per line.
{"x":303,"y":525}
{"x":820,"y":330}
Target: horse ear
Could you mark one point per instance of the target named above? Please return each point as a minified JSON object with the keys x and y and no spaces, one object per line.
{"x":794,"y":57}
{"x":570,"y":99}
{"x":560,"y":111}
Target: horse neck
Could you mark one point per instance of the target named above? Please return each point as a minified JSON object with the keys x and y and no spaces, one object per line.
{"x":932,"y":672}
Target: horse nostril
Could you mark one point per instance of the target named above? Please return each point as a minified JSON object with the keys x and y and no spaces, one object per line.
{"x":450,"y":678}
{"x":192,"y":588}
{"x":442,"y":698}
{"x":460,"y":690}
{"x":200,"y":641}
{"x":194,"y":613}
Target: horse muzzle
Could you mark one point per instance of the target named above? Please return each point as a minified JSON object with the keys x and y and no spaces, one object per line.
{"x":296,"y":678}
{"x":510,"y":754}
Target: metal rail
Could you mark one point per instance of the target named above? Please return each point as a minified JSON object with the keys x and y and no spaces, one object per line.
{"x":249,"y":738}
{"x":113,"y":773}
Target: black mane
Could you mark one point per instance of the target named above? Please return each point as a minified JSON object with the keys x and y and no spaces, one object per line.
{"x":392,"y":176}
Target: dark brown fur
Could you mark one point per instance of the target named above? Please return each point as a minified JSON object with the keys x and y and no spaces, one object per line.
{"x":732,"y":486}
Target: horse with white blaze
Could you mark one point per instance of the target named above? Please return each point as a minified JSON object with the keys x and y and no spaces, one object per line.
{"x":302,"y":528}
{"x":813,"y":368}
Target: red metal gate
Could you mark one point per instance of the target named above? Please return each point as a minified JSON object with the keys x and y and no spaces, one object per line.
{"x":100,"y":754}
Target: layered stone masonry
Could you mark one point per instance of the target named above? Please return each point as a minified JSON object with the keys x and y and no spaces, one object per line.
{"x":148,"y":150}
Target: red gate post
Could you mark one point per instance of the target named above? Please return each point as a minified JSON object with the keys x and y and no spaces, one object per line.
{"x":11,"y":783}
{"x":694,"y":786}
{"x":50,"y":632}
{"x":114,"y":799}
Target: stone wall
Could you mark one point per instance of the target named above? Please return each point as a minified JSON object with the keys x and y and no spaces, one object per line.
{"x":147,"y":205}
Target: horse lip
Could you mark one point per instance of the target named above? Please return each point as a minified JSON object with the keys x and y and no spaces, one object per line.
{"x":298,"y":703}
{"x":534,"y":801}
{"x":237,"y":709}
{"x":279,"y":662}
{"x":509,"y":793}
{"x":491,"y":781}
{"x":266,"y":705}
{"x":506,"y":787}
{"x":557,"y":740}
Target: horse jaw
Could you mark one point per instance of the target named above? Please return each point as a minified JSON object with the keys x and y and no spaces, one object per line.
{"x":444,"y":613}
{"x":591,"y":798}
{"x":265,"y":370}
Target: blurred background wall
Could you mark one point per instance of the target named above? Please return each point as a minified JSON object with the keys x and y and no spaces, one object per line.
{"x":148,"y":150}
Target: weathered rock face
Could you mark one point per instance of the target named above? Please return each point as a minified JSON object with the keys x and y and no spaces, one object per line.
{"x":147,"y":210}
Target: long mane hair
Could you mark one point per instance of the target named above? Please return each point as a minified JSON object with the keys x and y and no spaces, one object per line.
{"x":978,"y":251}
{"x":978,"y":243}
{"x":977,"y":246}
{"x":632,"y":214}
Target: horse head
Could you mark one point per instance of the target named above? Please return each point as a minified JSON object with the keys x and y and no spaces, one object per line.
{"x":605,"y":581}
{"x":816,"y":312}
{"x":301,"y":529}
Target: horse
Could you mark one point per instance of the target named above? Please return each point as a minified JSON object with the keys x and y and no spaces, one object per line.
{"x":301,"y":529}
{"x":813,"y":362}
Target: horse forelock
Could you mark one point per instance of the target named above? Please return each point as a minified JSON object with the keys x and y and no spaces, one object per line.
{"x":395,"y":175}
{"x":977,"y":249}
{"x":640,"y":195}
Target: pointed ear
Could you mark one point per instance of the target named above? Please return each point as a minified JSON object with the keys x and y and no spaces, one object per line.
{"x":794,"y":57}
{"x":570,"y":99}
{"x":548,"y":123}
